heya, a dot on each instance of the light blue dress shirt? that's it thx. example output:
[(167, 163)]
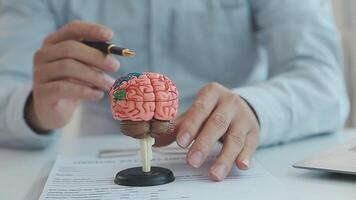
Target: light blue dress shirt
[(282, 56)]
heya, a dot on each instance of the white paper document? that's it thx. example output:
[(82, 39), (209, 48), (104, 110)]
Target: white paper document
[(92, 178)]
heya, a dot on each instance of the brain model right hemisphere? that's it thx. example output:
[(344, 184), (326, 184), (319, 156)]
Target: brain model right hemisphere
[(146, 104)]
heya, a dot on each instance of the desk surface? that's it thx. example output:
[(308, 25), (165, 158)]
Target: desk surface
[(23, 173)]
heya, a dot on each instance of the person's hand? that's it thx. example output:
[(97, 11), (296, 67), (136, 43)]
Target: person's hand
[(67, 72), (217, 113)]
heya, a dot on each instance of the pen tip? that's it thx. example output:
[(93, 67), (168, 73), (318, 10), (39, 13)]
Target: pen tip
[(128, 53)]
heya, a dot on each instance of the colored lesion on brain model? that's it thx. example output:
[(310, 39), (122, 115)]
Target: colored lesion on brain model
[(144, 96)]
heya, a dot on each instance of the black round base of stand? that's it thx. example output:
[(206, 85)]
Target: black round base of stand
[(136, 177)]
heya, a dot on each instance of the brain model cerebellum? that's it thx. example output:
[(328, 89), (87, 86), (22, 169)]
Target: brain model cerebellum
[(146, 103)]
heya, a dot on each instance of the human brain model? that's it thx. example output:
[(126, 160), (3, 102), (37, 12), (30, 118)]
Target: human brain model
[(145, 103)]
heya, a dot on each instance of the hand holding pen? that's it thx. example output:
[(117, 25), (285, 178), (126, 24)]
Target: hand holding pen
[(66, 71)]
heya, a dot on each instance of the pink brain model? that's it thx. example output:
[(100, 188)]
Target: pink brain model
[(143, 96)]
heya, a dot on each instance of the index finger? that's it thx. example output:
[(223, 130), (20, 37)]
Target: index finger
[(197, 114), (78, 30)]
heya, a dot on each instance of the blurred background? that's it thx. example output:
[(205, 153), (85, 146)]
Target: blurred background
[(345, 17)]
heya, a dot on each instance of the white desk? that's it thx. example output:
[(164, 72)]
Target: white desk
[(23, 173)]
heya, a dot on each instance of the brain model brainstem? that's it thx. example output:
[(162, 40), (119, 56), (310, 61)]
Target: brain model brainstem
[(146, 105)]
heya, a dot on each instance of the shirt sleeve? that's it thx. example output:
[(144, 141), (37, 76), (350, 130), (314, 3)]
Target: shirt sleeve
[(23, 24), (305, 93)]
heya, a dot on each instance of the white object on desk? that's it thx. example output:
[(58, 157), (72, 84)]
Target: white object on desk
[(340, 159), (92, 178), (112, 153)]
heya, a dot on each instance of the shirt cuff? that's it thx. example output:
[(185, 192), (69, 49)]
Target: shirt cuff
[(24, 136)]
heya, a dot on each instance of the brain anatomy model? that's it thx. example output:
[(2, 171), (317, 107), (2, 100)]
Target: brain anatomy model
[(146, 104), (144, 96)]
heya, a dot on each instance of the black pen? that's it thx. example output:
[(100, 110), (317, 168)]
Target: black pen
[(108, 48)]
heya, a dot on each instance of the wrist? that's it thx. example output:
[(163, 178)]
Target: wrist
[(31, 117)]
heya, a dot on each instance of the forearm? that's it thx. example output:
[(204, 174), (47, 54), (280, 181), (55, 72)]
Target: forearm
[(26, 23), (14, 131), (304, 92), (302, 102)]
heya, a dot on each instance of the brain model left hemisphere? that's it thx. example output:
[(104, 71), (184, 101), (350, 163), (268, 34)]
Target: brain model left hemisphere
[(146, 105)]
